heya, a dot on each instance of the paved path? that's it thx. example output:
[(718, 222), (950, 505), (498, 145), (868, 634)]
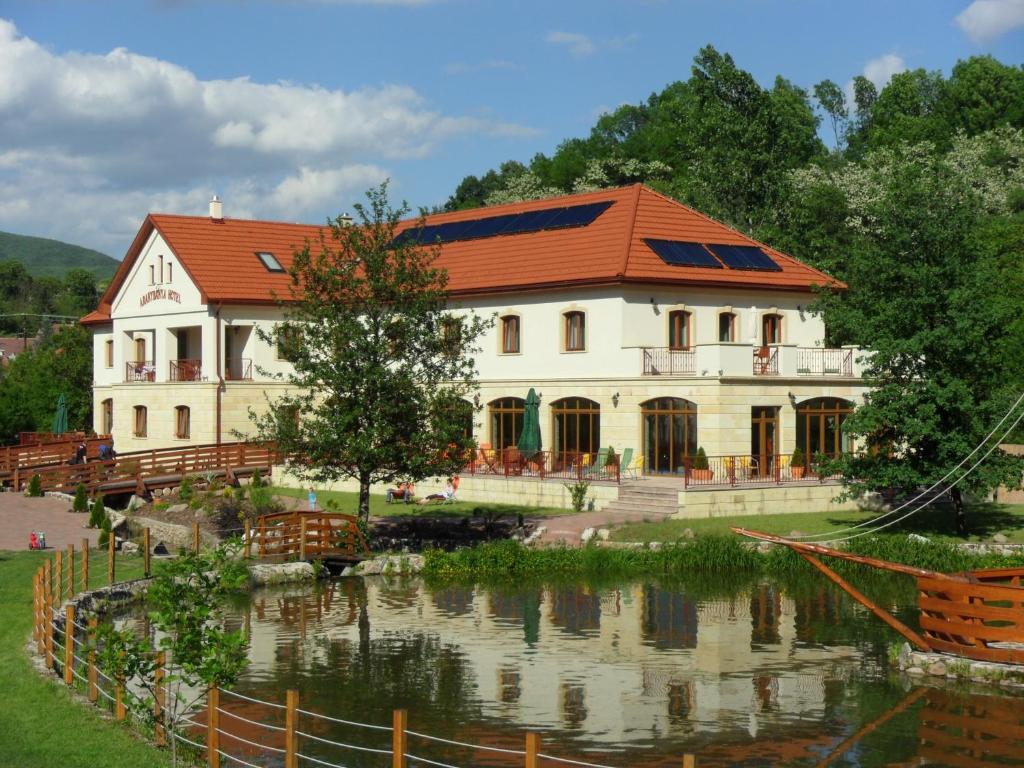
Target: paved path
[(19, 516), (568, 528)]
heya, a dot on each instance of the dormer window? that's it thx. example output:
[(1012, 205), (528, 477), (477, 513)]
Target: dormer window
[(269, 261)]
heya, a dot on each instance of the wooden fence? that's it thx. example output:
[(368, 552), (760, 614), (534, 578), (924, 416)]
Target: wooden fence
[(147, 470), (307, 536), (36, 454), (67, 643)]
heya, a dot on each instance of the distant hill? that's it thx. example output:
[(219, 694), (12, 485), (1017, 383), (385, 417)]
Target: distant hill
[(44, 257)]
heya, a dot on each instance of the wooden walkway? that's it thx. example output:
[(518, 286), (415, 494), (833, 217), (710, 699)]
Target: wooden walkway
[(329, 537), (142, 472)]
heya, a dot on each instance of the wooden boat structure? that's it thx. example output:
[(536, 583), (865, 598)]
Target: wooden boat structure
[(975, 615)]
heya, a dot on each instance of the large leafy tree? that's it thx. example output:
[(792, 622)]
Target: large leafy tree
[(381, 365), (927, 267)]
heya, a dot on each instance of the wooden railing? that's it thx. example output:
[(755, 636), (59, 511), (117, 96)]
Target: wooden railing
[(39, 454), (185, 370), (307, 536), (139, 370), (824, 362), (982, 621), (665, 361), (543, 465), (143, 470), (766, 361)]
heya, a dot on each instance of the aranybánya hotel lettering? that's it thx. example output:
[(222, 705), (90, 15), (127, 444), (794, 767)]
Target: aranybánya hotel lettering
[(159, 293)]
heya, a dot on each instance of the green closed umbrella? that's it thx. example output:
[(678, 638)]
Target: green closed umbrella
[(60, 418), (529, 438)]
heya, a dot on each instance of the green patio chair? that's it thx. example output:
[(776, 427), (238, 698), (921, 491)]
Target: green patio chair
[(624, 461), (596, 469)]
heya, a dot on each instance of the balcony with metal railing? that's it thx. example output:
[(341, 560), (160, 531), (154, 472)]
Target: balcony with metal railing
[(238, 369), (139, 370), (186, 370), (824, 362), (744, 360), (666, 361)]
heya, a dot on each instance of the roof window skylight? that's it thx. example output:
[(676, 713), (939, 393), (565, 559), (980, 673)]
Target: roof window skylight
[(270, 261)]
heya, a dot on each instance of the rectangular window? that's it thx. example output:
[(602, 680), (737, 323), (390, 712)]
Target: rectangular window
[(182, 421), (152, 275), (679, 330), (139, 428), (575, 332), (108, 353), (451, 336), (170, 271), (269, 261), (510, 334), (107, 417), (288, 340), (726, 326), (161, 261), (771, 330)]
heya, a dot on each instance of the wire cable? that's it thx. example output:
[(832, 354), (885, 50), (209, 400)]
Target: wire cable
[(572, 762), (465, 744), (343, 745)]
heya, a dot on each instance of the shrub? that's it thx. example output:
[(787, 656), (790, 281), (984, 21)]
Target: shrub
[(35, 487), (797, 459), (187, 488), (257, 480), (578, 494), (104, 531), (81, 502), (98, 513), (700, 461)]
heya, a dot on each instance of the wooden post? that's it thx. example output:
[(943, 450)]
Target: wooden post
[(399, 738), (291, 719), (93, 690), (159, 734), (247, 540), (195, 538), (212, 724), (48, 618), (85, 565), (532, 749), (689, 761), (111, 554), (145, 552), (302, 538), (36, 591), (71, 570), (119, 709), (69, 645), (58, 576), (47, 577)]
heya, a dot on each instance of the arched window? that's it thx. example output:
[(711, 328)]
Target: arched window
[(506, 421), (575, 331), (771, 330), (576, 426), (139, 427), (679, 329), (726, 327), (510, 334), (819, 426), (182, 422), (670, 434), (107, 416)]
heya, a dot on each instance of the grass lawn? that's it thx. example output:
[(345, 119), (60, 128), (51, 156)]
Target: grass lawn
[(42, 726), (348, 502), (984, 521)]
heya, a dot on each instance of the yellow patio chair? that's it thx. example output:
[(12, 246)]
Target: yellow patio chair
[(636, 467)]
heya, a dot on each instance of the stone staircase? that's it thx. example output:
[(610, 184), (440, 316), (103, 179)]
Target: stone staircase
[(653, 497)]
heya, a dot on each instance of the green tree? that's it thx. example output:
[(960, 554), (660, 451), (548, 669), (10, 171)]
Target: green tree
[(187, 599), (381, 366), (927, 299), (831, 99), (982, 94)]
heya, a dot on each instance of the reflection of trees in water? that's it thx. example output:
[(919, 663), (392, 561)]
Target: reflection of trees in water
[(517, 607)]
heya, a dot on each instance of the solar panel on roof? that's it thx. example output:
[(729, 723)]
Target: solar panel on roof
[(562, 217), (745, 257), (682, 254)]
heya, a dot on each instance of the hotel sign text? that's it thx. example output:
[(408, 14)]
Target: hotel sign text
[(159, 293)]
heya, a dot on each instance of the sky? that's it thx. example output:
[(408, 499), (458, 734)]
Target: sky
[(291, 109)]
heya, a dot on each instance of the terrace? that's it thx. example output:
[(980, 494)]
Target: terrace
[(736, 360)]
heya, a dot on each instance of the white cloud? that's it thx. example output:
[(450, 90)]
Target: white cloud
[(89, 143), (579, 45), (879, 71), (985, 20)]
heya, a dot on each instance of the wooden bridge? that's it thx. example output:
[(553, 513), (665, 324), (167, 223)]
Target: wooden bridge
[(141, 472), (330, 537)]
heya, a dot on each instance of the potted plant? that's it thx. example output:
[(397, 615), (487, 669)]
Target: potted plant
[(797, 464), (701, 472)]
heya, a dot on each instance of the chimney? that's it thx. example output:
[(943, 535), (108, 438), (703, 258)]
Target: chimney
[(345, 220), (216, 209)]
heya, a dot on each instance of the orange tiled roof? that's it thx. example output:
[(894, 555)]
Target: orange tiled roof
[(219, 255)]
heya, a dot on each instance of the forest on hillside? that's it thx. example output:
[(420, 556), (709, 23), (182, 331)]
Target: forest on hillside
[(918, 207)]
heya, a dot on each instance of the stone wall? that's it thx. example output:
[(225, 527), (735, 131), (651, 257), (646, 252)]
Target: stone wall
[(772, 500)]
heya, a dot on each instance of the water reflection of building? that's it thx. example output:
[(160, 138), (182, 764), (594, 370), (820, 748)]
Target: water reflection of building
[(618, 665)]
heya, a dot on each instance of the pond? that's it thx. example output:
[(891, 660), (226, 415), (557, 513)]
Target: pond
[(626, 674)]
